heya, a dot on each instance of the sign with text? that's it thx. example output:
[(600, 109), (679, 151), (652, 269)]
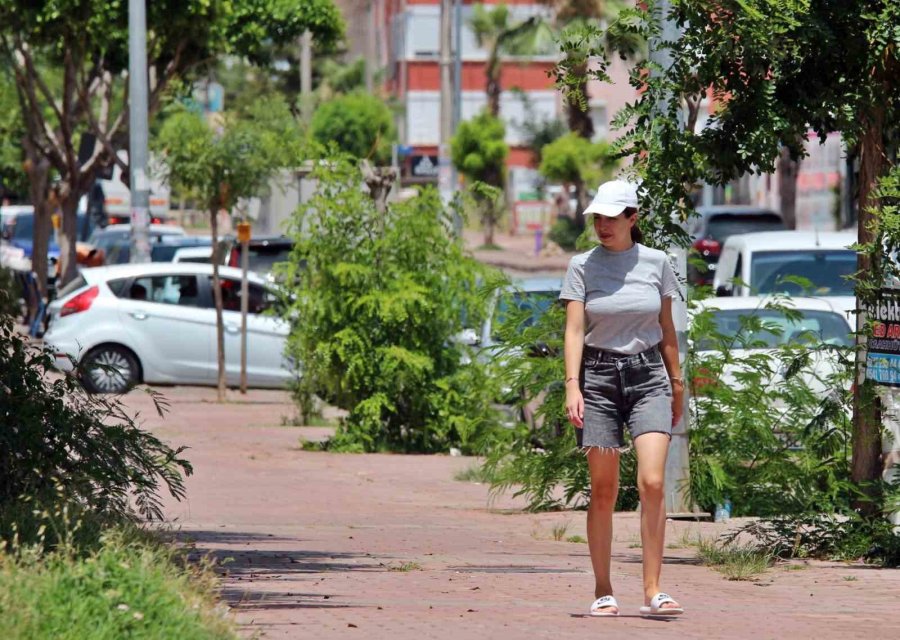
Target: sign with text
[(883, 358), (424, 166)]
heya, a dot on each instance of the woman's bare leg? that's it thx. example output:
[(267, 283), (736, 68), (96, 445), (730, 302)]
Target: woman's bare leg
[(603, 464), (652, 449)]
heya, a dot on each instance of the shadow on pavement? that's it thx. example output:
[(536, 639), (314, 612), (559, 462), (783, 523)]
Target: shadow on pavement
[(249, 573)]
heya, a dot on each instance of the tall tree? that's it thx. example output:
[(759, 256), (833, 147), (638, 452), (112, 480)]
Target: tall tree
[(570, 17), (776, 72), (572, 160), (225, 164), (479, 151), (87, 41), (496, 31)]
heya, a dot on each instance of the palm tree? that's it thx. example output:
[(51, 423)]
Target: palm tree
[(494, 32), (571, 13)]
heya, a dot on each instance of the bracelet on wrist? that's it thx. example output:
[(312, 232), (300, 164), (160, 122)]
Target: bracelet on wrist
[(678, 380), (568, 380)]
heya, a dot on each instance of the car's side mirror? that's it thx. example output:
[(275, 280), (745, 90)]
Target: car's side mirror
[(724, 291)]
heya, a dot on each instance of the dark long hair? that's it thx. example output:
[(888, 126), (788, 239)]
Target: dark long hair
[(636, 234)]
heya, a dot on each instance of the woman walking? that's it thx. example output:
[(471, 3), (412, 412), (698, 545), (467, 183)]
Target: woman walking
[(622, 368)]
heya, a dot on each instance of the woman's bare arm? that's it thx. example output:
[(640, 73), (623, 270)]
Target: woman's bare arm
[(574, 346)]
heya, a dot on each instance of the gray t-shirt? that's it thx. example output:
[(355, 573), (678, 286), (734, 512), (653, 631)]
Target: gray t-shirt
[(622, 293)]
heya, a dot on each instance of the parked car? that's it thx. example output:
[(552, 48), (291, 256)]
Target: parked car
[(9, 213), (200, 255), (712, 226), (264, 253), (820, 323), (156, 323), (763, 262), (180, 248), (115, 240), (18, 230)]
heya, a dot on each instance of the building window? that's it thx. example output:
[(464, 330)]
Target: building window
[(600, 118)]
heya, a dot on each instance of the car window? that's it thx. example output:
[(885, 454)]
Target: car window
[(180, 290), (259, 300), (262, 258), (827, 271), (814, 327), (196, 259), (720, 227), (23, 228)]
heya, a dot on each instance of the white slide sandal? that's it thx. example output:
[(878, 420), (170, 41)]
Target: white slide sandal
[(604, 602), (656, 606)]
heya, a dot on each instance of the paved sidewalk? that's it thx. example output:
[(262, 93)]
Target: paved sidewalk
[(377, 546), (516, 253)]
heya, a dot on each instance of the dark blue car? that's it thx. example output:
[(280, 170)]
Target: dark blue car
[(20, 233)]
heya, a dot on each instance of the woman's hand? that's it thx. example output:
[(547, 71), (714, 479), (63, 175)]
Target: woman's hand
[(677, 401), (574, 404)]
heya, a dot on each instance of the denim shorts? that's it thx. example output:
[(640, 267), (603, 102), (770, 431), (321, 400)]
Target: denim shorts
[(621, 389)]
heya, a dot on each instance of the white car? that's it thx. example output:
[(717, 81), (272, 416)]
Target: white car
[(821, 324), (762, 262), (200, 255), (156, 323)]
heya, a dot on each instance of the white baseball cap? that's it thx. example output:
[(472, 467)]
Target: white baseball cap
[(613, 198)]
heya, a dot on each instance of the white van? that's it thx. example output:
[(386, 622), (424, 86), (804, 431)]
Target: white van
[(760, 263)]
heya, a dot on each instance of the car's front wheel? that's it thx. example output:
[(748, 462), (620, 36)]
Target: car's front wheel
[(109, 368)]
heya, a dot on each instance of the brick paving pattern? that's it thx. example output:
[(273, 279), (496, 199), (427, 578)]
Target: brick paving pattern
[(319, 545)]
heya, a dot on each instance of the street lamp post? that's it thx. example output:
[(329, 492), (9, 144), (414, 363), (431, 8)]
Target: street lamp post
[(138, 131)]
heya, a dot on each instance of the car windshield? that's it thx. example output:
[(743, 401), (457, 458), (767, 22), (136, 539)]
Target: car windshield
[(262, 259), (720, 227), (826, 271), (777, 329), (23, 227)]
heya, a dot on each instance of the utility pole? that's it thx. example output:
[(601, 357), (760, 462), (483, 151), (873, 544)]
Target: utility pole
[(137, 131), (371, 55), (305, 75), (678, 465), (445, 171), (457, 100)]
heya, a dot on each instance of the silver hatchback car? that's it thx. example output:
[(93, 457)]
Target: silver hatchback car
[(156, 323)]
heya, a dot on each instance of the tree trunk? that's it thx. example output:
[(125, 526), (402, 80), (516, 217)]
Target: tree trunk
[(493, 87), (581, 199), (579, 119), (788, 170), (866, 440), (487, 221), (217, 299), (68, 238), (37, 168)]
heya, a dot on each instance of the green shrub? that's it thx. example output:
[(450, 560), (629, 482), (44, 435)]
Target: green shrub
[(128, 588), (61, 446), (542, 456), (359, 124), (565, 233), (373, 314), (10, 292), (760, 434), (843, 536)]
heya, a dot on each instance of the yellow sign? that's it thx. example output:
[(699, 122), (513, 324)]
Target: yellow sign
[(57, 221), (243, 232)]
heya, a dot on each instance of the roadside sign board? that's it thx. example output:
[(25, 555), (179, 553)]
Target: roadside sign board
[(530, 216), (883, 357)]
